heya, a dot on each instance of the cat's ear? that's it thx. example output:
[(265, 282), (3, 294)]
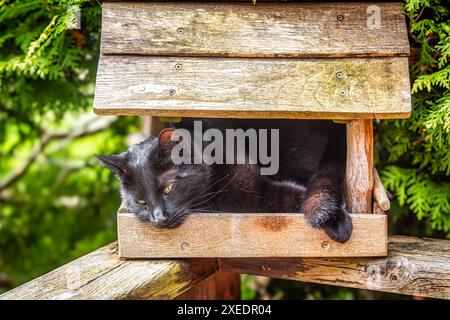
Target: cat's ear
[(115, 162), (165, 142), (165, 136)]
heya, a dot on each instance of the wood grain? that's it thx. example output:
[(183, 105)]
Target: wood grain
[(247, 30), (253, 88), (103, 275), (419, 267), (359, 168), (377, 209), (248, 235), (379, 193), (219, 286)]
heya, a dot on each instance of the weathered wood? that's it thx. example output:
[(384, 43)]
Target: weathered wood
[(359, 168), (248, 235), (103, 275), (253, 88), (419, 267), (377, 209), (379, 193), (219, 286), (152, 126), (247, 30)]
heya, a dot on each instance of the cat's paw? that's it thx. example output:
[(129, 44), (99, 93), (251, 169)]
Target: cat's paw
[(323, 212), (319, 210), (340, 228)]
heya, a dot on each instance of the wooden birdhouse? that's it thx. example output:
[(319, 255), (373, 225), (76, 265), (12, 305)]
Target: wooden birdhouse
[(338, 61)]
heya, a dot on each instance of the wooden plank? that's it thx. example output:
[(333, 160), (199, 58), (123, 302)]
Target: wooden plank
[(247, 30), (419, 267), (219, 286), (248, 235), (379, 193), (253, 88), (359, 167), (103, 275)]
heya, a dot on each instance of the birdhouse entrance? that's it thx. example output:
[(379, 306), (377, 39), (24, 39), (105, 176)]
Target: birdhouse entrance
[(236, 60)]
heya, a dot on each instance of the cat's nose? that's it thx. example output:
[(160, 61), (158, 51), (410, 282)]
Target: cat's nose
[(160, 219)]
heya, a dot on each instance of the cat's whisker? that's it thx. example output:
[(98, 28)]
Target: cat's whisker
[(214, 194), (203, 202), (202, 194), (205, 195), (207, 188)]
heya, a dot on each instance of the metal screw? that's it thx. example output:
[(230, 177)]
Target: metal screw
[(340, 17), (339, 75), (172, 92), (178, 66), (343, 93), (184, 246), (180, 30), (326, 245)]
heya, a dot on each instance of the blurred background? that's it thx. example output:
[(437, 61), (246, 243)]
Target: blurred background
[(57, 203)]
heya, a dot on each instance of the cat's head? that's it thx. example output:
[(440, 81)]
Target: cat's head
[(153, 187)]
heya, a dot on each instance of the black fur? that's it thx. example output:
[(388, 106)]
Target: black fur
[(312, 154)]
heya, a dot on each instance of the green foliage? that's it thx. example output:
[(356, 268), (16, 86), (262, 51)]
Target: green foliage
[(415, 153), (63, 204)]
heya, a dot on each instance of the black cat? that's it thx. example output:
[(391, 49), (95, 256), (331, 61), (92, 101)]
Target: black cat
[(312, 154)]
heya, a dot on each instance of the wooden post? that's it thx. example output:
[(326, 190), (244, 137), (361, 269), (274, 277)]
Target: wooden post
[(219, 286), (152, 126), (359, 168)]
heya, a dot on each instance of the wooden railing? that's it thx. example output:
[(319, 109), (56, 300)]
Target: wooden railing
[(419, 267)]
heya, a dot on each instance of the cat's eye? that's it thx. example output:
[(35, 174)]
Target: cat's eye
[(141, 202), (168, 189)]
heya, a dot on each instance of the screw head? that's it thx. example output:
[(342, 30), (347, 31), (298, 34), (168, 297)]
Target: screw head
[(343, 93), (184, 246), (340, 17), (180, 30), (172, 92), (339, 75), (178, 66)]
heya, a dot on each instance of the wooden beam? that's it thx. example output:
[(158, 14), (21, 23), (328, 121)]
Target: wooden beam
[(248, 235), (294, 30), (419, 267), (219, 286), (103, 275), (253, 88), (359, 168)]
